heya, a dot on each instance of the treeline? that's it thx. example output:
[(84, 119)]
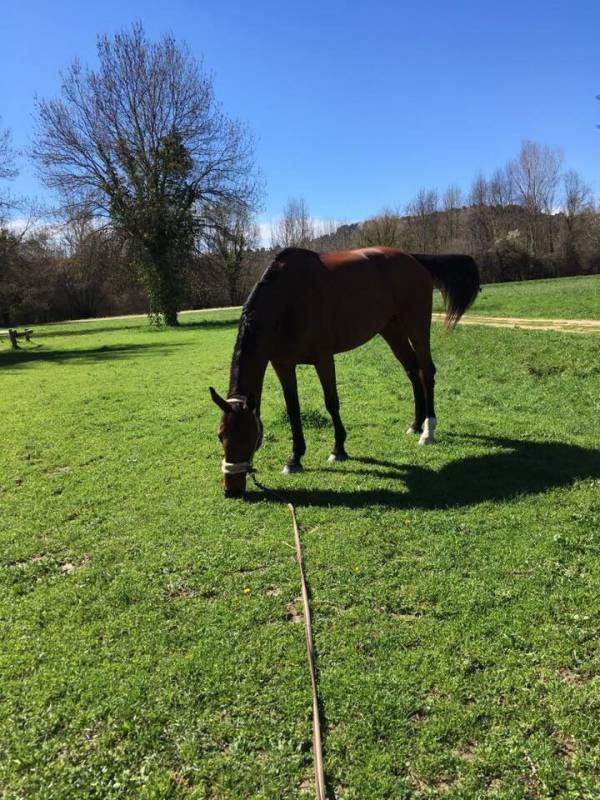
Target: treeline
[(529, 219), (77, 271)]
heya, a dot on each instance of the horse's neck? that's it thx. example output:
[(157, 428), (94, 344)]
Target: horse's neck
[(247, 375), (251, 352)]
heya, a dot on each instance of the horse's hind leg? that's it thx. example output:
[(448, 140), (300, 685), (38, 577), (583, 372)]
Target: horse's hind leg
[(400, 346), (326, 371), (287, 377)]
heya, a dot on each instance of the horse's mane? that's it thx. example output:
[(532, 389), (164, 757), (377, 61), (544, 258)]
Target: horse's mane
[(249, 326)]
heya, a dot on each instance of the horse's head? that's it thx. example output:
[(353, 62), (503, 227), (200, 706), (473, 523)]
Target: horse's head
[(240, 432)]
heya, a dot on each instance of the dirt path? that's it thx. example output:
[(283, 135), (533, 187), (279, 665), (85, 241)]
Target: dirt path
[(530, 323)]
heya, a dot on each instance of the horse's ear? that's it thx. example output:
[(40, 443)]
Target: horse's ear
[(218, 400), (250, 403)]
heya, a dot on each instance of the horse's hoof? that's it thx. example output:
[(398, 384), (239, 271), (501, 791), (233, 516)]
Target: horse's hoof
[(411, 430), (428, 429), (338, 457), (291, 469)]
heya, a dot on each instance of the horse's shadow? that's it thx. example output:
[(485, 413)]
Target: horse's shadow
[(520, 468)]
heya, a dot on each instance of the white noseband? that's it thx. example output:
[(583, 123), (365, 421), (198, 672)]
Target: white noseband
[(239, 467), (235, 468)]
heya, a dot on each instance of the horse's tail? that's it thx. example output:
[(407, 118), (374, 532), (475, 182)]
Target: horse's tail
[(457, 278)]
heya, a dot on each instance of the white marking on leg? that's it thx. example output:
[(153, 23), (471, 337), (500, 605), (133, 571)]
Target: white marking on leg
[(337, 457), (428, 429)]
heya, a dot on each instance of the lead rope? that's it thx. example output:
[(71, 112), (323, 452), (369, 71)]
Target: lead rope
[(310, 650)]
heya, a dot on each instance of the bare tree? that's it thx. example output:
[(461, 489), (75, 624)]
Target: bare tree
[(8, 169), (233, 235), (501, 189), (535, 174), (383, 229), (577, 195), (493, 228), (481, 219), (480, 191), (451, 202), (423, 212), (89, 254), (142, 140), (9, 240), (578, 207), (295, 228)]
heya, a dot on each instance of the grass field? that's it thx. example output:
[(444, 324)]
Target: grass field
[(562, 298), (150, 638)]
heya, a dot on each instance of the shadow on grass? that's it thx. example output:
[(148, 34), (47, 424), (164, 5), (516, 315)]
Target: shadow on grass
[(138, 325), (22, 358), (207, 324), (522, 468), (85, 331)]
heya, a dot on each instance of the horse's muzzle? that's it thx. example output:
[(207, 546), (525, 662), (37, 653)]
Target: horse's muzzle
[(235, 485)]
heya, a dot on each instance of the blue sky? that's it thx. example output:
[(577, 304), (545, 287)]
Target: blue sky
[(354, 106)]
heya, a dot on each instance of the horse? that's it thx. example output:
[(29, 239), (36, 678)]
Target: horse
[(309, 306)]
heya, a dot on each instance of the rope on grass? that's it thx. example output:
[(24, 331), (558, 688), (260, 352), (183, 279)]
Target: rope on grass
[(310, 650)]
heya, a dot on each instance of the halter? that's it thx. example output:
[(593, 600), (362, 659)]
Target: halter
[(239, 467)]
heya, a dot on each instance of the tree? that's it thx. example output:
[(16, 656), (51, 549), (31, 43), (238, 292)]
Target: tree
[(142, 141), (85, 267), (534, 175), (295, 228), (577, 195), (481, 221), (233, 235), (26, 285), (500, 189), (578, 207), (423, 211), (385, 229), (7, 155), (9, 241), (8, 169), (452, 202)]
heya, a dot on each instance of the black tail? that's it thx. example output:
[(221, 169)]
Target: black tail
[(457, 278)]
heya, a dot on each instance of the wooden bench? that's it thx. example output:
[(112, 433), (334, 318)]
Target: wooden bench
[(14, 335)]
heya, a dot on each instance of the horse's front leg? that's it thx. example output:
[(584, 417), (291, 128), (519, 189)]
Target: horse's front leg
[(287, 377), (326, 371)]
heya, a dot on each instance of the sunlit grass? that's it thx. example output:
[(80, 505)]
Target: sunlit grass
[(562, 298), (148, 645)]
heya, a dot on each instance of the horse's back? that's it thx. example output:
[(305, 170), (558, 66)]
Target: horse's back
[(369, 266), (340, 300), (385, 276)]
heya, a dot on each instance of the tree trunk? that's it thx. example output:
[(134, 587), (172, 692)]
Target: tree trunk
[(163, 287), (169, 314)]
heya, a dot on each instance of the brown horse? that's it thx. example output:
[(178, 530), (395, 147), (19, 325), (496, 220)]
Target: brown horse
[(306, 308)]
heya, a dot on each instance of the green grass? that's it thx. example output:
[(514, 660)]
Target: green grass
[(148, 642), (557, 298)]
